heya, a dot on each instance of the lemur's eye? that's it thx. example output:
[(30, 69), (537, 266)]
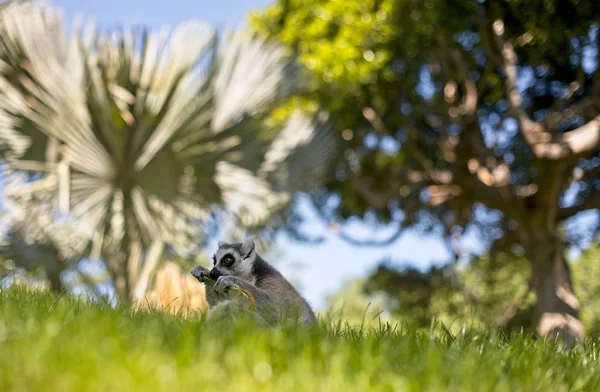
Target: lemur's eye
[(227, 260)]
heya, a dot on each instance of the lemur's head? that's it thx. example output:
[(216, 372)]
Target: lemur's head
[(234, 259)]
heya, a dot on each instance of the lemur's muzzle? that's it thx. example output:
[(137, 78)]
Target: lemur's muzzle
[(214, 274)]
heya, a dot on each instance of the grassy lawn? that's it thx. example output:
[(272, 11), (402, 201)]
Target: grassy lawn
[(49, 343)]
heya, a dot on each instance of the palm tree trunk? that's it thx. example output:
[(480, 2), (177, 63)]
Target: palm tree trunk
[(150, 265), (53, 274), (118, 274), (121, 257)]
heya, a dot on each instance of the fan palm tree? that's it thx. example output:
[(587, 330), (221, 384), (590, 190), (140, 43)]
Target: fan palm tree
[(142, 137)]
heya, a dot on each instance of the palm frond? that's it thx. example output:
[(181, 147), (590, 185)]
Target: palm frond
[(252, 72), (154, 132), (29, 35), (299, 158), (34, 238)]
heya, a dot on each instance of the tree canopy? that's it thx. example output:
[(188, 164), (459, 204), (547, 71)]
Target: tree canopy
[(459, 115)]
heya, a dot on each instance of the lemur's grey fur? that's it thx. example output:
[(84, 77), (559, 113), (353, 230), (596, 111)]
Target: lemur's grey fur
[(276, 299)]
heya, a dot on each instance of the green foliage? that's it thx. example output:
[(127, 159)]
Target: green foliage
[(353, 306), (487, 293), (586, 271), (395, 57), (62, 344), (351, 46), (344, 43)]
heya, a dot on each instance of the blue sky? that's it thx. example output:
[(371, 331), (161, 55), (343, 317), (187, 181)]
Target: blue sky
[(324, 267), (155, 14)]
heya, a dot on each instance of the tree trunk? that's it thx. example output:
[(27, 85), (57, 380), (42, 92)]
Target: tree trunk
[(118, 272), (122, 289), (53, 275), (557, 307)]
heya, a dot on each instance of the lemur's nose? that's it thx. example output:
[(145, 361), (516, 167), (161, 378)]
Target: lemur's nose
[(214, 274)]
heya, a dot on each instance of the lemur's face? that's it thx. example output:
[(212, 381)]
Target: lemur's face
[(234, 259)]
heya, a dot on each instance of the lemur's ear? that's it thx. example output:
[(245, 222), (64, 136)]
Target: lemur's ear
[(221, 244), (248, 247)]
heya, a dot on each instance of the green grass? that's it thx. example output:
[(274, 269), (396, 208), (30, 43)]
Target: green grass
[(49, 343)]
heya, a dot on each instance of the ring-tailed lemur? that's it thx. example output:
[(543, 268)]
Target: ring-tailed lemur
[(238, 266)]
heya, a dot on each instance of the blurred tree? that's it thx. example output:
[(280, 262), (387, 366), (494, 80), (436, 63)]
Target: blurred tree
[(141, 139), (459, 114), (490, 292)]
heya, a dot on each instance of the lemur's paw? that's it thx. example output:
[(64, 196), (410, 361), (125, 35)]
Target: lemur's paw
[(224, 284), (200, 273)]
